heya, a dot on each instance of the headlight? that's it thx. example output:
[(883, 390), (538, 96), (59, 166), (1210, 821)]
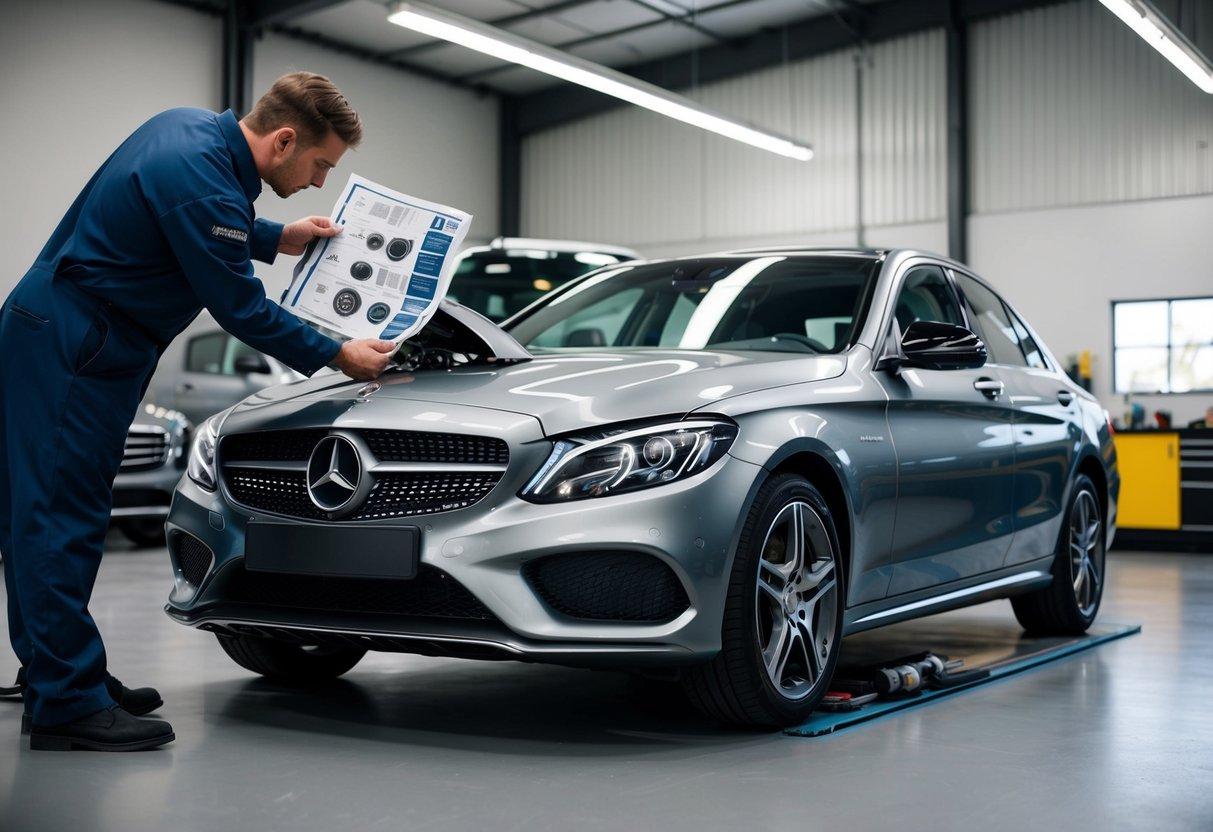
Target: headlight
[(201, 468), (615, 462)]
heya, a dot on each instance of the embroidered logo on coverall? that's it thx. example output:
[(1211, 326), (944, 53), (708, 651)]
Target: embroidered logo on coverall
[(225, 233)]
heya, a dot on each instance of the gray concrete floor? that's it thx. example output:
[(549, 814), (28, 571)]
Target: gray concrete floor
[(1120, 737)]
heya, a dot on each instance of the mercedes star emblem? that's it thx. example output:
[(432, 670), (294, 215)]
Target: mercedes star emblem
[(334, 474)]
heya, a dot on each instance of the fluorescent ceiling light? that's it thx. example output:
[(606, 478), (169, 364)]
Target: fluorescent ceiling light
[(481, 37), (1159, 32)]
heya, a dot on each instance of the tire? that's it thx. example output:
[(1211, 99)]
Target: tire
[(290, 663), (144, 532), (1066, 606), (736, 687)]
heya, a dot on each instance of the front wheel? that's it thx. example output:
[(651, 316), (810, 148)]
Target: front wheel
[(783, 613), (290, 663), (1069, 604)]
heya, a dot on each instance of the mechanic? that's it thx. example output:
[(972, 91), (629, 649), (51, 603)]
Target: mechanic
[(164, 228)]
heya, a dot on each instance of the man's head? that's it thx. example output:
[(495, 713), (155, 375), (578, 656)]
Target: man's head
[(299, 130)]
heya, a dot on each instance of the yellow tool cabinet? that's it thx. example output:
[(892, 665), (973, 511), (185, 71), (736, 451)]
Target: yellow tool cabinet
[(1149, 480)]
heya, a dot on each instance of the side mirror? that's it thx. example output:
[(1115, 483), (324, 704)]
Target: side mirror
[(933, 345), (247, 365)]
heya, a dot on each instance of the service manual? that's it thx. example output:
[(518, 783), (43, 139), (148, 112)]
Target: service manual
[(386, 273)]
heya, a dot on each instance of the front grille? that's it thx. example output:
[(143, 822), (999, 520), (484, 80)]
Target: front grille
[(147, 448), (608, 586), (268, 472), (416, 446), (432, 594), (193, 557)]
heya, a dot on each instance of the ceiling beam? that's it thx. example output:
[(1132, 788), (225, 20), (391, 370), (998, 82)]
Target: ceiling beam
[(689, 20), (270, 12), (598, 37), (807, 38)]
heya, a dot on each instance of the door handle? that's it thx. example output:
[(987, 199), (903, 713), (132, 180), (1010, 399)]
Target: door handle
[(988, 387), (1065, 397), (184, 387)]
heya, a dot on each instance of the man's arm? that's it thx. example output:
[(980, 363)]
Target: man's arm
[(264, 242), (210, 237)]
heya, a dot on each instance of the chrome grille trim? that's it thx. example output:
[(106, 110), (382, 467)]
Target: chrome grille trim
[(147, 447)]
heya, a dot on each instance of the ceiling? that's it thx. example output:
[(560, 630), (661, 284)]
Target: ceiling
[(612, 32)]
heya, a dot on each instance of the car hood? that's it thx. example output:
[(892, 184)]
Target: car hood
[(570, 391)]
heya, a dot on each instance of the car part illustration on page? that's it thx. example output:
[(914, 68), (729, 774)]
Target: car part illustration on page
[(386, 273)]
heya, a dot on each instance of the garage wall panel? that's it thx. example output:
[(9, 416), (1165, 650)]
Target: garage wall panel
[(905, 130), (633, 177), (75, 80), (1070, 107)]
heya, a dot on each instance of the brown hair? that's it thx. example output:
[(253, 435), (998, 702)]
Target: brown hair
[(311, 104)]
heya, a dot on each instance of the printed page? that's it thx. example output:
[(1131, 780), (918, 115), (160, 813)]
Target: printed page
[(386, 273)]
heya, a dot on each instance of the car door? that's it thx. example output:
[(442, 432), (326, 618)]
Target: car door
[(210, 381), (1046, 427), (952, 431)]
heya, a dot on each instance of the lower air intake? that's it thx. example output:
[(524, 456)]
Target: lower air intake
[(432, 594), (608, 586), (193, 557)]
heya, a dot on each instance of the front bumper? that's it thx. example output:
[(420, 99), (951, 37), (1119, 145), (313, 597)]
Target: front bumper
[(691, 526)]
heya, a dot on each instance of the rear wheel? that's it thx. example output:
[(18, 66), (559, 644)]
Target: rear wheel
[(783, 614), (290, 663), (1069, 604)]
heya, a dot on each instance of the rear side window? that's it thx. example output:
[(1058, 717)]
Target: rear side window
[(1032, 352), (205, 353), (989, 317)]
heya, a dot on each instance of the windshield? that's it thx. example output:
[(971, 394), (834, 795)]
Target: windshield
[(786, 304), (498, 283)]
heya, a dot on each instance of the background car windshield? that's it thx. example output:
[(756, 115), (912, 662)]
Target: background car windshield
[(784, 304), (499, 283)]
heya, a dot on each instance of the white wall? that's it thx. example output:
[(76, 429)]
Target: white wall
[(633, 177), (425, 138), (1063, 267), (75, 80)]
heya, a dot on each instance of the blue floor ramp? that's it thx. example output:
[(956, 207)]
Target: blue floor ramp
[(1016, 654)]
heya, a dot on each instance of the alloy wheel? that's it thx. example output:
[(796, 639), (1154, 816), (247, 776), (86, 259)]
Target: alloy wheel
[(1086, 552), (796, 600)]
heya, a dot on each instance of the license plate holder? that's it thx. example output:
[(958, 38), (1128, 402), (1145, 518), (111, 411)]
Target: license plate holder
[(391, 552)]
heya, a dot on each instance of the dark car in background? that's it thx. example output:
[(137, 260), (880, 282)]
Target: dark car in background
[(510, 273)]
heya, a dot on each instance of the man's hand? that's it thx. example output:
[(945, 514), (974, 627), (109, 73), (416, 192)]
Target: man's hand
[(364, 359), (297, 235)]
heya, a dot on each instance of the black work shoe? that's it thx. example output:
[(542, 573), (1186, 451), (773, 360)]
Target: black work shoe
[(137, 702), (112, 729)]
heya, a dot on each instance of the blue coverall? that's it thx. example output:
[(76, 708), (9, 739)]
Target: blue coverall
[(164, 228)]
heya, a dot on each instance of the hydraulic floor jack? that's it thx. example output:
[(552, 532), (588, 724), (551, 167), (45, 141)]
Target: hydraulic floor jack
[(854, 687)]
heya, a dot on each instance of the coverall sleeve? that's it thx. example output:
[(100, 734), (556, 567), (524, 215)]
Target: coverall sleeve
[(264, 242), (210, 237)]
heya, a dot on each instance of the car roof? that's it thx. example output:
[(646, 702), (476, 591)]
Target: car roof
[(563, 246)]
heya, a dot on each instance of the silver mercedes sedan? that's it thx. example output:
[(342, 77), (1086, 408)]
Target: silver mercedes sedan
[(716, 466)]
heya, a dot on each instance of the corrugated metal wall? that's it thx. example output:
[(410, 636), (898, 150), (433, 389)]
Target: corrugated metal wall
[(635, 177), (1069, 107)]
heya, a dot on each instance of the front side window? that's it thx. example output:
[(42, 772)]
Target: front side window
[(991, 322), (926, 296), (783, 304), (1163, 346), (205, 353)]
